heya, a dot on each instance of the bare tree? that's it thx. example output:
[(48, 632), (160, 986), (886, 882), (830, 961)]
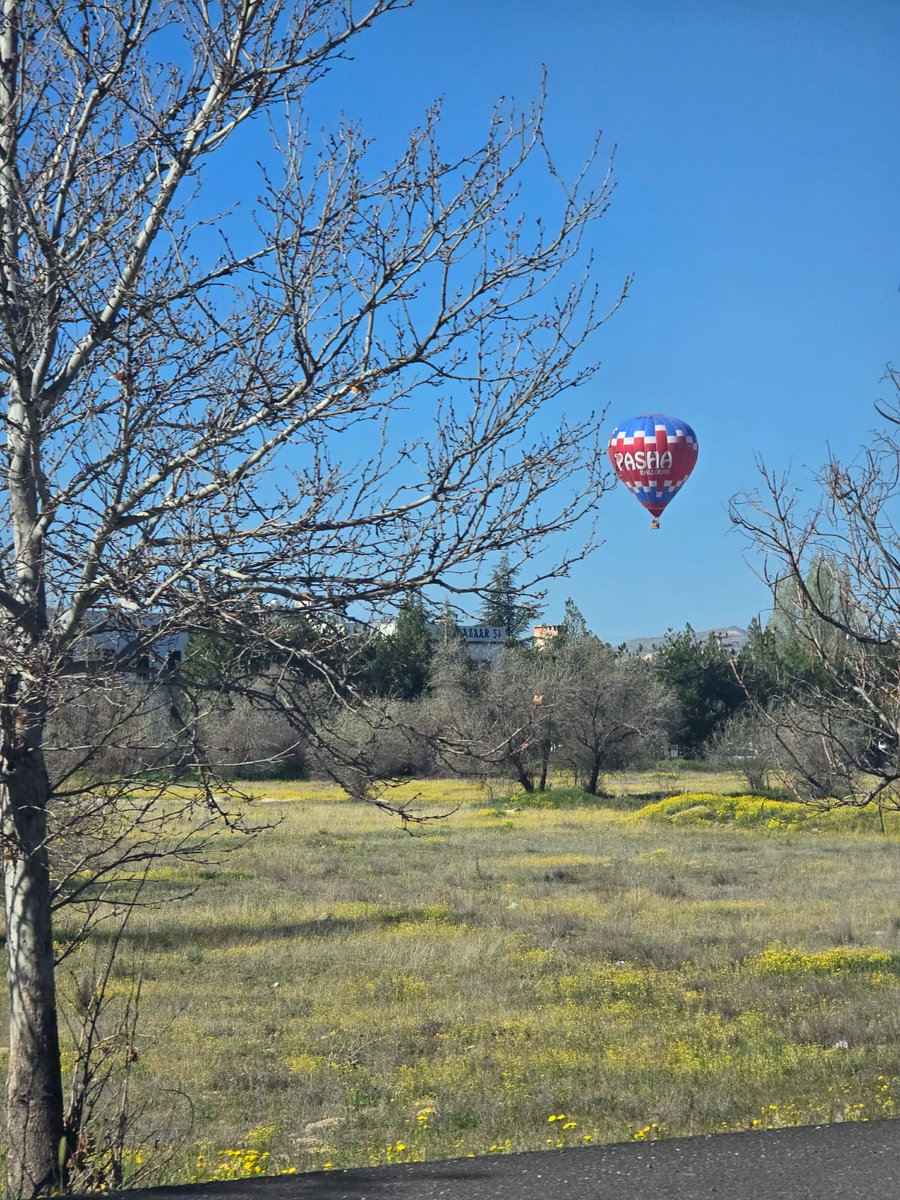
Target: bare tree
[(577, 704), (745, 744), (243, 737), (366, 749), (814, 750), (503, 726), (819, 748), (613, 710), (487, 720), (838, 731), (208, 408), (501, 720)]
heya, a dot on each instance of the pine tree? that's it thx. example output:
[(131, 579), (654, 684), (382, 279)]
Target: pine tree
[(574, 626), (503, 602), (447, 629), (701, 676), (400, 664)]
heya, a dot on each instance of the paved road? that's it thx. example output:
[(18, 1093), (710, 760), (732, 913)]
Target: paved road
[(854, 1161)]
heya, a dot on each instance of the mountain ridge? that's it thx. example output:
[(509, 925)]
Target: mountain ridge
[(731, 637)]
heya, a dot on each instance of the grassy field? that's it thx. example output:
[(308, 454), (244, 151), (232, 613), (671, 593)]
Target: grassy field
[(518, 976)]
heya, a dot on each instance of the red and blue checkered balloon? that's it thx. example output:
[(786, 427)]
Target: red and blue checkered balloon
[(653, 455)]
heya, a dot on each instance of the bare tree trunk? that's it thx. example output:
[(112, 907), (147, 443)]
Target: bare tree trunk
[(34, 1088), (524, 776), (545, 765), (593, 778)]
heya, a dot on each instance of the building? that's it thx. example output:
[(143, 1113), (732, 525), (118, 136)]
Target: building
[(544, 635), (130, 642)]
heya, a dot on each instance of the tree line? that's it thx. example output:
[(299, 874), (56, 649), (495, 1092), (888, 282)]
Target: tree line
[(423, 706)]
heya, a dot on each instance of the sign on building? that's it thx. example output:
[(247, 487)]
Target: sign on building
[(479, 634)]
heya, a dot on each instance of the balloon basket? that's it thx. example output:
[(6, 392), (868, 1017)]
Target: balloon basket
[(654, 524)]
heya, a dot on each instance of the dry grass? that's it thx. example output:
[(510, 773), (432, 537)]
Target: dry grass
[(342, 993)]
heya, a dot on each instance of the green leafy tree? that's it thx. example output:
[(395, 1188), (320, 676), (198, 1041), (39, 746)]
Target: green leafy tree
[(399, 662), (758, 664), (702, 678), (798, 628), (780, 658)]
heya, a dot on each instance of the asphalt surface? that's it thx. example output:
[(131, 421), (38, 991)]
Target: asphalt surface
[(853, 1161)]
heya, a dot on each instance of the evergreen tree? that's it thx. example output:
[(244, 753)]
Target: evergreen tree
[(758, 663), (398, 664), (574, 626), (221, 659), (447, 630), (704, 682), (503, 603)]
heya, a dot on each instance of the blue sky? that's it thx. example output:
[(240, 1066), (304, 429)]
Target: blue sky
[(758, 168)]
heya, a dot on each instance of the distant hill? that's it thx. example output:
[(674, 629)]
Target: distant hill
[(732, 638)]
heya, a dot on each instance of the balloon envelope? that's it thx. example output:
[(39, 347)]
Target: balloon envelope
[(653, 455)]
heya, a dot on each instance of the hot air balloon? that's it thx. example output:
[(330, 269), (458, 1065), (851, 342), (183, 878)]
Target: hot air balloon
[(653, 455)]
